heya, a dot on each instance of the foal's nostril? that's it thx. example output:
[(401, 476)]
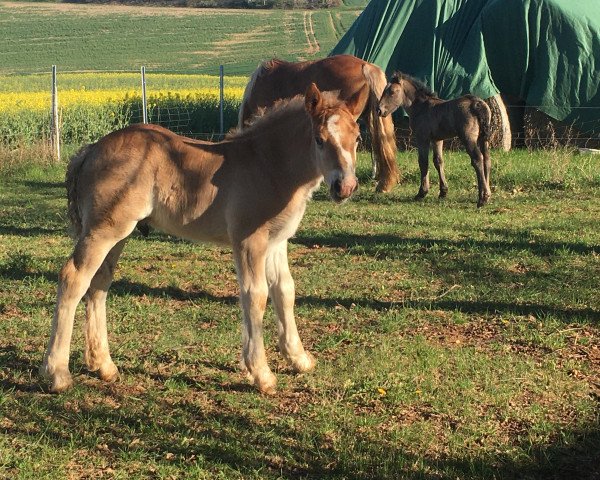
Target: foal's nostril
[(337, 187), (378, 110)]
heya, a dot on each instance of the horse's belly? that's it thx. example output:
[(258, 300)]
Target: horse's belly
[(203, 229), (444, 131)]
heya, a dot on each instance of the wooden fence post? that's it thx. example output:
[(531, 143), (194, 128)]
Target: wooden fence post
[(144, 100), (221, 127), (54, 125)]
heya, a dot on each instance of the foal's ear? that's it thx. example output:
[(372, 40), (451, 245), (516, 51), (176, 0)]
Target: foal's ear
[(313, 99)]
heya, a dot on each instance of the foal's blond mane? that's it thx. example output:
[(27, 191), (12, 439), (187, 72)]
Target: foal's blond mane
[(283, 108)]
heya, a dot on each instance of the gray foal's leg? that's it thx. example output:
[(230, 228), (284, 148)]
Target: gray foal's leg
[(438, 161), (423, 148), (477, 161)]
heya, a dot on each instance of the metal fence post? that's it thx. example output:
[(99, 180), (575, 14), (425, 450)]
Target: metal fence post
[(54, 127), (144, 102), (221, 100)]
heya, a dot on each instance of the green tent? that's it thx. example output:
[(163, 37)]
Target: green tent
[(545, 52)]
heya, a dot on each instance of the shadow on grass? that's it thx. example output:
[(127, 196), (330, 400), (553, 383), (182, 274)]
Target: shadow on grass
[(46, 188), (31, 231), (464, 306), (126, 287), (376, 244), (228, 426), (19, 366)]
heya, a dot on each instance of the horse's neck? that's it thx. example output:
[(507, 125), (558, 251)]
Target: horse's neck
[(421, 103), (410, 96), (286, 150)]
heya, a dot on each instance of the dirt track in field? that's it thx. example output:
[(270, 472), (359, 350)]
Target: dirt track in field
[(309, 31)]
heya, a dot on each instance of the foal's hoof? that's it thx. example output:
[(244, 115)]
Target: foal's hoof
[(482, 202), (109, 372), (420, 196), (443, 193), (267, 385), (303, 363), (59, 381)]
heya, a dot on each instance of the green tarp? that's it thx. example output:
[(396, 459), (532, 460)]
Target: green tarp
[(545, 52)]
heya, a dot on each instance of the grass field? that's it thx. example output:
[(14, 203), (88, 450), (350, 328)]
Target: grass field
[(451, 342), (116, 40), (120, 38)]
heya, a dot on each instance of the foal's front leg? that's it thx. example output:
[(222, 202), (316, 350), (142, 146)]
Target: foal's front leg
[(423, 148), (250, 258), (282, 291)]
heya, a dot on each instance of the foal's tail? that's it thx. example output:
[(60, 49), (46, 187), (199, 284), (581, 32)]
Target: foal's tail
[(71, 178), (484, 116), (382, 131)]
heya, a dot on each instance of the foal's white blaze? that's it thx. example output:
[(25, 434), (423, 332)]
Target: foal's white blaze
[(334, 131)]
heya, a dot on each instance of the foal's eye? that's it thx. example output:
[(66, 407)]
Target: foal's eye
[(319, 141)]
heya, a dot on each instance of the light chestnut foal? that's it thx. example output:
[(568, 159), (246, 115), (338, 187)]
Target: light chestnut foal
[(249, 191)]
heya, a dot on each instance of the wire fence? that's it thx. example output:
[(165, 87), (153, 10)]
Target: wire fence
[(529, 127), (91, 104)]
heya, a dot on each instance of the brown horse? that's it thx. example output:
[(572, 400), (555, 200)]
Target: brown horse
[(249, 191), (348, 75), (433, 120)]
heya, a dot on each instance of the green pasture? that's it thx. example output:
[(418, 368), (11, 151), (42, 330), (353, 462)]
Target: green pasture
[(112, 38), (452, 342)]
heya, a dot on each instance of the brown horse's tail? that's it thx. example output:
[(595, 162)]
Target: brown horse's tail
[(245, 110), (71, 178), (382, 131)]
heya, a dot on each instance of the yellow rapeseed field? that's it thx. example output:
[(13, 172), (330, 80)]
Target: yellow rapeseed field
[(14, 101), (92, 104)]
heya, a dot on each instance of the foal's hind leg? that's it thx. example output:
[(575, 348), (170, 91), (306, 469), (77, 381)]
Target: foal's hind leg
[(438, 161), (477, 161), (281, 289), (97, 354), (74, 280), (487, 161), (423, 148)]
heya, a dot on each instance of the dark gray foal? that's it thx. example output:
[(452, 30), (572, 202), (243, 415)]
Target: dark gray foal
[(433, 120)]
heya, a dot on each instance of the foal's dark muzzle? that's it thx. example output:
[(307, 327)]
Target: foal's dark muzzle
[(380, 112)]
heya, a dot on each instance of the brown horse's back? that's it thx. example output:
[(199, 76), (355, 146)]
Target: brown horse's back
[(278, 79)]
